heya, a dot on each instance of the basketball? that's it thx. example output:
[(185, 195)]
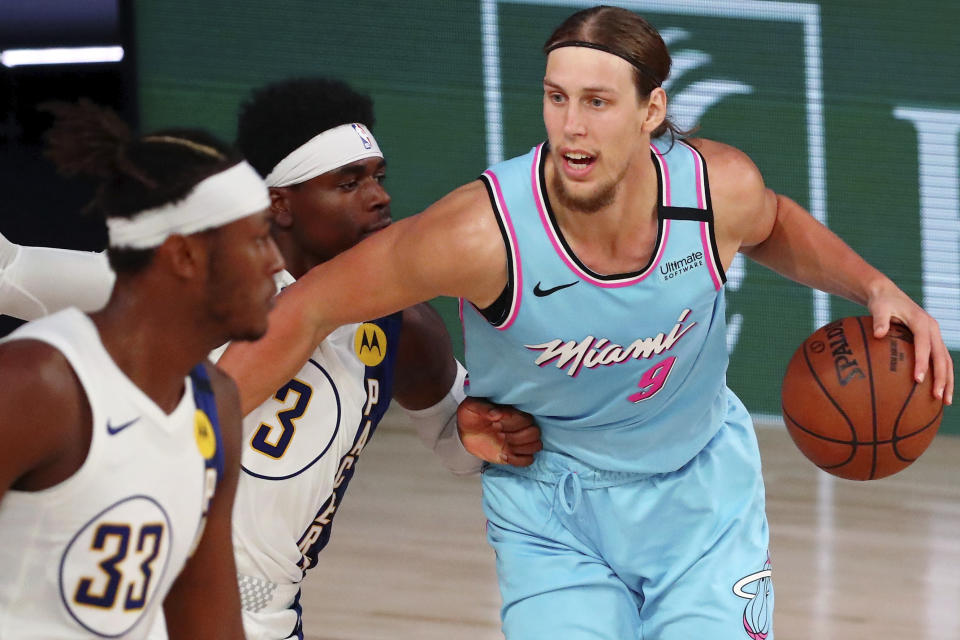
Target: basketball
[(851, 404)]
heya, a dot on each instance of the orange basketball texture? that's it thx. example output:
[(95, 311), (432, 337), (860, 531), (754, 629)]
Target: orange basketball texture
[(851, 404)]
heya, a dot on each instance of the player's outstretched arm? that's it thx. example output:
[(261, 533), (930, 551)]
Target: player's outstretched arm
[(453, 248), (204, 602), (37, 281), (780, 234)]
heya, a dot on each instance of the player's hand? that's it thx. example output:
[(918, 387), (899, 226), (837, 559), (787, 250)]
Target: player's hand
[(498, 433), (892, 303)]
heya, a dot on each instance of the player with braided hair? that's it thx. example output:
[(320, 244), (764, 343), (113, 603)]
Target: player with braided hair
[(311, 138), (120, 461)]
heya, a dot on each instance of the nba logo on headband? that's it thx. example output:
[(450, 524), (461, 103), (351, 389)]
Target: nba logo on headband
[(363, 135)]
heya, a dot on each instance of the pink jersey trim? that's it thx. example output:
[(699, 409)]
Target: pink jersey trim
[(514, 251), (704, 226), (698, 172), (538, 198)]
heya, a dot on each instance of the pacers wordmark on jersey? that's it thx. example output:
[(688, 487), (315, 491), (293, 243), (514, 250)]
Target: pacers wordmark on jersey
[(301, 451)]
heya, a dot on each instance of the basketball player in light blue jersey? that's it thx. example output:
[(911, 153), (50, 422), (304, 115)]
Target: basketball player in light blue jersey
[(623, 527), (592, 274)]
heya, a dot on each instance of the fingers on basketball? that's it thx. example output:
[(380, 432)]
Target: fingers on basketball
[(851, 402)]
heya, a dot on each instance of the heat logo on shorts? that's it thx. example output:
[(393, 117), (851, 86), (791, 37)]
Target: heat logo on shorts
[(758, 612), (364, 136)]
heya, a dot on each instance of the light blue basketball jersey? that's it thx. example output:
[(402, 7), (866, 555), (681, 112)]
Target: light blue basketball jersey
[(623, 372)]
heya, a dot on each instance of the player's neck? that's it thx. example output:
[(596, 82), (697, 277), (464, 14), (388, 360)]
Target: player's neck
[(154, 342), (296, 261), (618, 237)]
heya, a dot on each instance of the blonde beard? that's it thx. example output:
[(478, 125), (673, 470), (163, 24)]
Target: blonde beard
[(601, 197)]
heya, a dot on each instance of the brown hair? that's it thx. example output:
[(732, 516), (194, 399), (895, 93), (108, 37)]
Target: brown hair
[(625, 34), (134, 173)]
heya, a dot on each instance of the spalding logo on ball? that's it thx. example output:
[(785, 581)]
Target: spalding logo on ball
[(851, 404)]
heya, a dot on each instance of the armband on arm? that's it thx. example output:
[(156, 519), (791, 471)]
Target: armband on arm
[(37, 281), (437, 428)]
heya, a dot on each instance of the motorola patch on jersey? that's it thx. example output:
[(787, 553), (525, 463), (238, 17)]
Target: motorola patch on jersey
[(370, 344), (203, 432)]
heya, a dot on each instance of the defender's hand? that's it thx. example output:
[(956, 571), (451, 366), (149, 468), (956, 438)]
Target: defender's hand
[(498, 433)]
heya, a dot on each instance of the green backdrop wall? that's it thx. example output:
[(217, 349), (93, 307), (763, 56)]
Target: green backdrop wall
[(851, 107)]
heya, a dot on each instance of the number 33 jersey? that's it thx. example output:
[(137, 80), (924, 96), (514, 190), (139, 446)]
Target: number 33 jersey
[(300, 451), (95, 555)]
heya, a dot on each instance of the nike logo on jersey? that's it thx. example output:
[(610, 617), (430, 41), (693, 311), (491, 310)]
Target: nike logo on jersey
[(537, 291), (115, 430)]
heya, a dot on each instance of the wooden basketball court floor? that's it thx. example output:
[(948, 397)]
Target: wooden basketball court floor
[(873, 560)]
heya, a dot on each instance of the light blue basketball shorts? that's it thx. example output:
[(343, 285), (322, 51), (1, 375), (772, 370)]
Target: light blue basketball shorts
[(584, 554)]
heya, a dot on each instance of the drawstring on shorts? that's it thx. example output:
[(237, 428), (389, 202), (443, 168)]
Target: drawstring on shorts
[(567, 502)]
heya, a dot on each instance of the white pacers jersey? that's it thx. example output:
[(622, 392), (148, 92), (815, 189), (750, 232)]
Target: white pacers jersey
[(300, 450), (95, 555)]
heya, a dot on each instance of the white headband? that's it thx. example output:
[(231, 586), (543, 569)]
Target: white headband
[(324, 152), (220, 199)]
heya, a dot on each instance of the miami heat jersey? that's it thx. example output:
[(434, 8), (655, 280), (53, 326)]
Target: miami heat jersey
[(300, 451), (624, 372), (95, 555)]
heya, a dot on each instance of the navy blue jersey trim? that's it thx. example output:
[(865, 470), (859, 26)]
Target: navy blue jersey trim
[(383, 373), (204, 400), (298, 609)]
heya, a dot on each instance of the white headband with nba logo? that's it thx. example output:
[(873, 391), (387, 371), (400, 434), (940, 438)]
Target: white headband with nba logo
[(324, 152)]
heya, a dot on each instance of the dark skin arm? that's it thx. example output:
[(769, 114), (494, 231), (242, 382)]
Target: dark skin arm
[(425, 371), (45, 420), (425, 367), (204, 602)]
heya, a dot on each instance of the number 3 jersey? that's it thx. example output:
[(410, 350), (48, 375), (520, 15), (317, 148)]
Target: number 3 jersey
[(95, 555), (300, 451), (624, 372)]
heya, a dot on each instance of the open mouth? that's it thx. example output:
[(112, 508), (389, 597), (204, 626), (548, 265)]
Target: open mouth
[(578, 162)]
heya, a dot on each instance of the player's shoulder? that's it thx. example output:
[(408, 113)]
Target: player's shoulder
[(733, 175), (464, 200), (39, 386), (33, 368), (465, 219)]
